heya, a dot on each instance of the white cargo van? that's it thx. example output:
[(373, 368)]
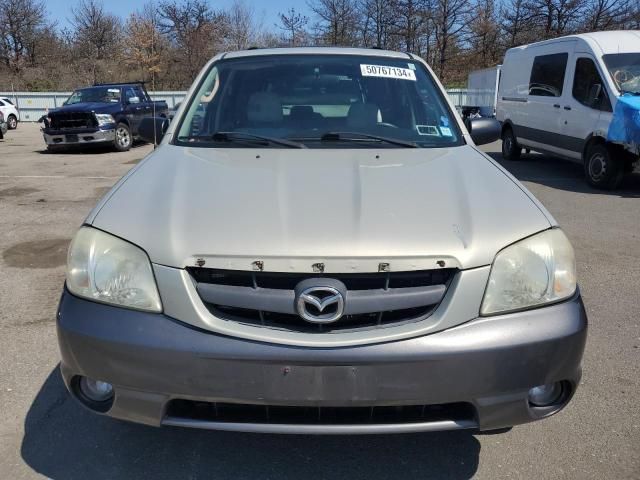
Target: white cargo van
[(577, 97)]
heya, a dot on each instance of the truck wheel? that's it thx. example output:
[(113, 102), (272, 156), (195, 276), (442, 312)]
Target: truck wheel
[(601, 168), (12, 122), (510, 148), (122, 142)]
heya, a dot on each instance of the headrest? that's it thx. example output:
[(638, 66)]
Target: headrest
[(264, 107), (301, 111), (362, 115)]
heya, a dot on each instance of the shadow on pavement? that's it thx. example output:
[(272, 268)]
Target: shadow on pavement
[(64, 441), (85, 149), (562, 174)]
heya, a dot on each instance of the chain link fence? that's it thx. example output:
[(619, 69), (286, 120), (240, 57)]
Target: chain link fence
[(33, 105)]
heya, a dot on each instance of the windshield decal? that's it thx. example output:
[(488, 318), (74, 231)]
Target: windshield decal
[(431, 130), (387, 72), (446, 131)]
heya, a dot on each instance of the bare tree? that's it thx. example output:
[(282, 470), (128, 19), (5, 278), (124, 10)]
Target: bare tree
[(196, 32), (516, 22), (555, 17), (607, 14), (96, 36), (484, 34), (411, 16), (379, 21), (293, 23), (145, 46), (337, 21), (449, 22), (243, 28), (21, 21)]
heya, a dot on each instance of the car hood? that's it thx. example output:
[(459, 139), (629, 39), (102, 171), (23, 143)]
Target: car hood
[(349, 209), (88, 107)]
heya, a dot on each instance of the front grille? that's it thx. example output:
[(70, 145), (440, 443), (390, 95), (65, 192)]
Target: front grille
[(243, 286), (300, 415), (72, 120)]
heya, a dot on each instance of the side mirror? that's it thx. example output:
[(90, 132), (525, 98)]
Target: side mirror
[(594, 94), (484, 130), (133, 100), (152, 129)]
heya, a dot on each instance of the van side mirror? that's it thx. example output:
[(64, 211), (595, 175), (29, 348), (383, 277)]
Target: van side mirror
[(484, 130), (152, 129), (594, 94)]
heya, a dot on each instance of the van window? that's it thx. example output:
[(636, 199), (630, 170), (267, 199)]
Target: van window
[(547, 75), (588, 88), (624, 68)]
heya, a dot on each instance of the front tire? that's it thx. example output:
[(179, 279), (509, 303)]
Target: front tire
[(601, 168), (123, 140), (12, 122), (510, 148)]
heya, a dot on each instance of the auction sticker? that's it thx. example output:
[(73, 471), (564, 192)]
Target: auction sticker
[(387, 72)]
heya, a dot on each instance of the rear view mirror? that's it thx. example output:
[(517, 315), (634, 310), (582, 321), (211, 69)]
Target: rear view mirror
[(484, 130), (152, 129)]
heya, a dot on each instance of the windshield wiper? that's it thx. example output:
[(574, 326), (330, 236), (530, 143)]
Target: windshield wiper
[(231, 136), (349, 137)]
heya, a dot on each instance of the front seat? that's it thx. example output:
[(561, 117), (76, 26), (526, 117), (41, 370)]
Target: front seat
[(363, 115), (264, 109)]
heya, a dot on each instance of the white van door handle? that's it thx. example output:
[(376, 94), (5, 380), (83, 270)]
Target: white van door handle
[(567, 107), (556, 105)]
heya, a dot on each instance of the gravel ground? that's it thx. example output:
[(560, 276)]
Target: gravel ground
[(44, 433)]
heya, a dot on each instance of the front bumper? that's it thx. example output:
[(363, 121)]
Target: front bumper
[(488, 363), (78, 137)]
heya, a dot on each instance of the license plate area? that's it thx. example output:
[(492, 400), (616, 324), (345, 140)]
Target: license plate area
[(71, 138), (321, 383)]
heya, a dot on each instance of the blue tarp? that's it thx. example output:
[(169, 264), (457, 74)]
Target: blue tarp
[(625, 124)]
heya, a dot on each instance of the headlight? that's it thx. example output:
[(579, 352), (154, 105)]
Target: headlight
[(104, 119), (106, 269), (534, 271)]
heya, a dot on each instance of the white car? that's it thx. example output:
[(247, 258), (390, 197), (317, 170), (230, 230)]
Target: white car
[(577, 97), (10, 111)]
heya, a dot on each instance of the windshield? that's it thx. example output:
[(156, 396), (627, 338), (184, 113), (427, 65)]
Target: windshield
[(96, 94), (319, 101), (624, 68)]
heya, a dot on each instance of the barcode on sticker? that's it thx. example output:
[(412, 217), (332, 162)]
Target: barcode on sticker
[(387, 72)]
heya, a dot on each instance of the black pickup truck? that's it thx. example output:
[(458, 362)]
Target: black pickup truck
[(107, 113)]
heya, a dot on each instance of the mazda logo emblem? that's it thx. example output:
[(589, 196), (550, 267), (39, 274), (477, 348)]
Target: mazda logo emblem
[(320, 304)]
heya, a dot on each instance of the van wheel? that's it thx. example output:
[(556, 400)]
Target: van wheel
[(510, 148), (601, 168), (122, 142)]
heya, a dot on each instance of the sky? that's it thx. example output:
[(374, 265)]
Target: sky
[(267, 10)]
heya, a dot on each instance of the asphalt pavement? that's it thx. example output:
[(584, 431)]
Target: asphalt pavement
[(44, 433)]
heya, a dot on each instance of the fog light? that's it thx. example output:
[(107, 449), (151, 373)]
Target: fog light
[(96, 390), (545, 395)]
